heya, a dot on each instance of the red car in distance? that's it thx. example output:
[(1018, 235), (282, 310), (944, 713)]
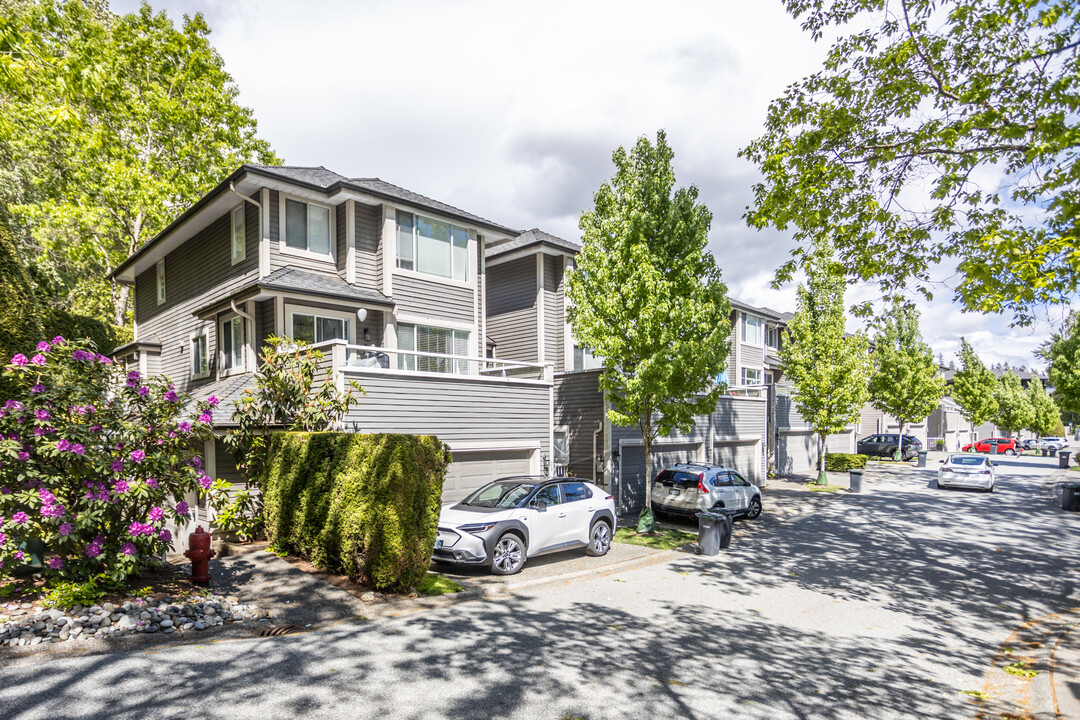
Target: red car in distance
[(994, 446)]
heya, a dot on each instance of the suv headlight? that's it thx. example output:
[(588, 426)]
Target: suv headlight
[(477, 527)]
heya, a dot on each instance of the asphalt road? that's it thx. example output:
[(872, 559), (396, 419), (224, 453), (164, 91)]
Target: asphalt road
[(891, 604)]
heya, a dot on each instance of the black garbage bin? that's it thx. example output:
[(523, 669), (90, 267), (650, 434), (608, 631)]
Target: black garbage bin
[(1063, 459), (1070, 496), (856, 480), (1053, 451), (714, 531), (1044, 452)]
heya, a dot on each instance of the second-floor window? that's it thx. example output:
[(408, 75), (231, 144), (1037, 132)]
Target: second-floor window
[(584, 359), (200, 358), (432, 247), (239, 237), (752, 329), (307, 227), (772, 338), (160, 281), (231, 342), (750, 376)]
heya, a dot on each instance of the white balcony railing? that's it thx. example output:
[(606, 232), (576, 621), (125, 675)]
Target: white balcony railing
[(372, 359)]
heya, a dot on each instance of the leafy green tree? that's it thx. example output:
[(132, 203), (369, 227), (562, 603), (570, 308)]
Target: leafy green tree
[(905, 381), (1014, 409), (974, 387), (829, 368), (647, 297), (886, 149), (1063, 353), (112, 125), (1045, 415)]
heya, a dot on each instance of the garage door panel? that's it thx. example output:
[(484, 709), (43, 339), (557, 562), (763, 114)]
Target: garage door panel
[(472, 469), (741, 456)]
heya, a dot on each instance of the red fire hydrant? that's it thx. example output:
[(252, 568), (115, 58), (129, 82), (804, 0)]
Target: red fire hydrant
[(199, 553)]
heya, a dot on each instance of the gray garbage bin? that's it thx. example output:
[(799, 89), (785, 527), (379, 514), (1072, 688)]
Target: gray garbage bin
[(1053, 451), (922, 458), (1044, 453), (855, 480), (1070, 496), (714, 531), (1063, 459)]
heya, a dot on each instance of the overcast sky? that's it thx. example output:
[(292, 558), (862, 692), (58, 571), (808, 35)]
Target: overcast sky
[(512, 110)]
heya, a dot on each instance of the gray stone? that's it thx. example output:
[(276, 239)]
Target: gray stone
[(95, 609), (200, 626), (169, 630), (39, 625), (62, 621), (144, 615), (64, 634), (366, 597), (109, 608), (126, 622), (166, 623), (187, 626), (105, 622)]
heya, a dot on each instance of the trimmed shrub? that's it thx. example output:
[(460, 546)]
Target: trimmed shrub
[(366, 506), (842, 462)]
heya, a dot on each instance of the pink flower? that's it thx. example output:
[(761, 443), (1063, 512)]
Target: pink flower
[(213, 400), (181, 508), (171, 396), (117, 465), (152, 482), (127, 549), (93, 549), (3, 538), (206, 418), (38, 359), (156, 514), (19, 360), (43, 346), (64, 529), (78, 449), (39, 388), (184, 426), (137, 456), (103, 360), (56, 562), (143, 391), (52, 511), (165, 535), (42, 414), (58, 340), (19, 555), (20, 518), (120, 487), (205, 482)]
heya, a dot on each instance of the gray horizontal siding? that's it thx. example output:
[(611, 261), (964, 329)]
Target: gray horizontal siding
[(456, 410), (368, 247), (279, 259), (342, 239), (265, 324), (511, 309), (226, 464), (440, 300), (751, 357), (553, 311), (579, 406)]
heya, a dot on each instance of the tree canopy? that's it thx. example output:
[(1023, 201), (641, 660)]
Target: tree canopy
[(829, 368), (974, 387), (1045, 416), (1063, 354), (1014, 411), (905, 381), (646, 296), (935, 132), (110, 126)]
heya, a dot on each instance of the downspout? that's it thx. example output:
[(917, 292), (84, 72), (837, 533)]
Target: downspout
[(234, 191), (599, 429), (242, 313)]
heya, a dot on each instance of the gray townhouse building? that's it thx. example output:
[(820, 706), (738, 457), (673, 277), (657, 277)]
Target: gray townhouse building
[(392, 286)]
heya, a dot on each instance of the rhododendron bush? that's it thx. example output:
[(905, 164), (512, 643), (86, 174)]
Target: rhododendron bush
[(94, 461)]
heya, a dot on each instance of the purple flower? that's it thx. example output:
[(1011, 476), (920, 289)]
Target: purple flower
[(78, 449), (137, 528), (93, 549), (165, 535), (19, 554), (95, 428), (171, 396), (63, 444), (181, 508), (103, 360), (42, 414), (20, 518), (46, 497), (24, 456), (56, 562), (184, 426), (127, 549), (58, 340), (38, 359), (156, 514), (19, 360), (39, 388), (117, 465), (131, 383), (213, 400), (196, 462), (137, 456), (82, 355), (43, 346), (13, 405), (64, 529), (206, 417), (120, 487), (5, 491), (52, 511), (152, 482), (205, 482), (3, 538), (143, 391)]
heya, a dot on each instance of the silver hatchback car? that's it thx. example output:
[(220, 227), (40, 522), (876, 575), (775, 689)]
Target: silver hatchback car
[(689, 488)]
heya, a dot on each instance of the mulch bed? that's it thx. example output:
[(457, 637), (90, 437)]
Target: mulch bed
[(162, 580)]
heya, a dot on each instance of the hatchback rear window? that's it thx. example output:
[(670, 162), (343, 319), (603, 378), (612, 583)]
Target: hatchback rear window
[(968, 460), (677, 477)]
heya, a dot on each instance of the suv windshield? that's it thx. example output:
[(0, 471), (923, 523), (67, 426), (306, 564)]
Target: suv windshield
[(499, 495)]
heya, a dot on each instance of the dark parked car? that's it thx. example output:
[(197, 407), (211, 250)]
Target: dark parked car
[(888, 446)]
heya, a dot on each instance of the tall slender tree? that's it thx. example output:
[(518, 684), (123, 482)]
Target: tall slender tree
[(974, 387), (647, 297), (828, 367), (1015, 411), (905, 381), (1045, 415)]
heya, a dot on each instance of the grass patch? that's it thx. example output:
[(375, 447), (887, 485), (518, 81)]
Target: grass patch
[(435, 584), (660, 539), (814, 487), (1075, 468)]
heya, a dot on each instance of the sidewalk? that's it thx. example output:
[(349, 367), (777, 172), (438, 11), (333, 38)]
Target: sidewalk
[(1065, 675)]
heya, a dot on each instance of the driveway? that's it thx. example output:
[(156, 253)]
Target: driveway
[(890, 604)]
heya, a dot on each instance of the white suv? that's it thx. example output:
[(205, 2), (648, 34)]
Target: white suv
[(1055, 443), (513, 519), (689, 488)]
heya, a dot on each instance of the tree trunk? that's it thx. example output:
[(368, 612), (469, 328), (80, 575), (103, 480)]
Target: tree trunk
[(900, 441), (648, 468), (821, 452), (120, 310)]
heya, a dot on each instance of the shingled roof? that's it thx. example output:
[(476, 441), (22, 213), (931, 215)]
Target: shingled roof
[(532, 237)]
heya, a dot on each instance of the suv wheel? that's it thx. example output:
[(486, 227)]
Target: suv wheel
[(754, 511), (508, 555), (599, 539)]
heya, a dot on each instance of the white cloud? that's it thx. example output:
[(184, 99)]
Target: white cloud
[(512, 110)]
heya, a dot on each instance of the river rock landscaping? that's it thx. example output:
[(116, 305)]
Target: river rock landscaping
[(27, 624)]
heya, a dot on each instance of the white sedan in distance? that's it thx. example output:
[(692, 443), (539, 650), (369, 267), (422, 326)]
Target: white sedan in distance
[(967, 471)]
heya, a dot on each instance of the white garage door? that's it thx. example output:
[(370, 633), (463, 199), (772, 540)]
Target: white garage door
[(796, 452), (473, 468), (741, 456)]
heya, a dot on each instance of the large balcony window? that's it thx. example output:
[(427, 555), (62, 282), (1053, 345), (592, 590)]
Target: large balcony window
[(427, 339), (432, 247)]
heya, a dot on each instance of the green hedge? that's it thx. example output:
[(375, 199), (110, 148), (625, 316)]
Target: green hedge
[(842, 462), (366, 506)]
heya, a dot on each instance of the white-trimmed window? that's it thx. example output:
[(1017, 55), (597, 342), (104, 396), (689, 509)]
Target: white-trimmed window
[(428, 339), (239, 235), (200, 354), (750, 376), (772, 337), (584, 359), (432, 247), (231, 342), (160, 281), (312, 327), (560, 451), (307, 227), (753, 329)]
